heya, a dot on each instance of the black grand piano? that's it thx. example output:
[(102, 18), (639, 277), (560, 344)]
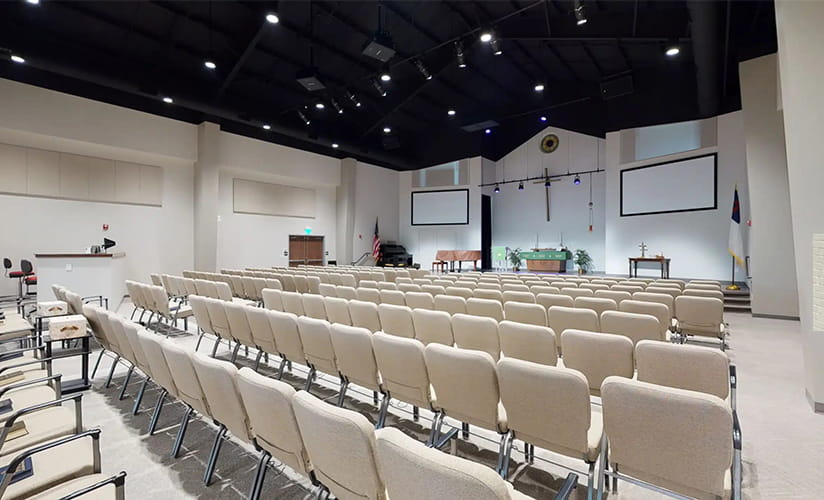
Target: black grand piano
[(394, 255)]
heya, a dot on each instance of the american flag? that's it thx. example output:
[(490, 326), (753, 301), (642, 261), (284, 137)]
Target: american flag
[(376, 243)]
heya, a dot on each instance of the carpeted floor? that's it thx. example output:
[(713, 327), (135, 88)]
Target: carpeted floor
[(783, 438)]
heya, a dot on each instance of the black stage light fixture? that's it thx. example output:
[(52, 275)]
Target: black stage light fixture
[(580, 14), (354, 100), (521, 186), (336, 105), (379, 87), (497, 189), (423, 70), (459, 54), (303, 117), (577, 180), (547, 182)]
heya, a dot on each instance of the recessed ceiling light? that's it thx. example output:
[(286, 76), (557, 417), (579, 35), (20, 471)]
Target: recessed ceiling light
[(488, 131), (385, 76), (543, 118), (539, 87), (18, 59), (387, 129), (320, 105), (335, 145), (486, 36), (580, 15), (168, 100), (451, 112), (33, 2), (496, 47), (210, 65), (272, 18), (267, 127), (673, 50)]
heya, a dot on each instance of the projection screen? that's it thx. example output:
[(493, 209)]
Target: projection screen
[(676, 186), (438, 208)]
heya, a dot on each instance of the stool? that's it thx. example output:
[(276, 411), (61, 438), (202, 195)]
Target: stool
[(18, 275)]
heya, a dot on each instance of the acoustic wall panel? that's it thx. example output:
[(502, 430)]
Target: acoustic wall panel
[(74, 177), (261, 198), (43, 173), (11, 158)]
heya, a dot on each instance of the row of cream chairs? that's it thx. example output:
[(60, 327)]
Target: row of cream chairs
[(248, 290), (155, 300), (335, 448), (406, 370)]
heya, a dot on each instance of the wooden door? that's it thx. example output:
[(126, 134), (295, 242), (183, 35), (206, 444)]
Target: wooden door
[(304, 249), (314, 250)]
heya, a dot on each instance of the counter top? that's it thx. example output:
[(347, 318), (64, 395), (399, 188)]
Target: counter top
[(79, 255)]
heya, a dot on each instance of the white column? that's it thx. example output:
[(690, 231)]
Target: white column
[(801, 66), (206, 182), (345, 230)]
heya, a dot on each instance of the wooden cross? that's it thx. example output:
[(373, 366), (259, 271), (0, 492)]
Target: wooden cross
[(643, 247)]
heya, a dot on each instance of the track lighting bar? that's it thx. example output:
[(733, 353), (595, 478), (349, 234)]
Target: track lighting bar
[(542, 178)]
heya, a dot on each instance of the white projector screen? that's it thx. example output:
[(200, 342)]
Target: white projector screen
[(438, 208), (676, 186)]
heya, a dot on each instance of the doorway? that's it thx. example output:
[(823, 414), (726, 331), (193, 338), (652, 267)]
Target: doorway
[(304, 249)]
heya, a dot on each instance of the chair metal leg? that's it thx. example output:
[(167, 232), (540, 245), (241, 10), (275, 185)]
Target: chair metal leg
[(309, 378), (382, 413), (601, 471), (282, 367), (111, 371), (156, 415), (199, 339), (260, 475), (591, 481), (139, 397), (344, 384), (435, 431), (126, 383), (97, 363), (375, 398), (214, 347), (210, 467), (131, 318), (234, 352), (257, 359), (184, 423), (464, 430), (416, 413), (506, 453)]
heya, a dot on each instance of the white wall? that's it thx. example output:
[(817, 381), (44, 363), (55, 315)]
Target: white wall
[(424, 241), (774, 287), (695, 241), (518, 217), (376, 195)]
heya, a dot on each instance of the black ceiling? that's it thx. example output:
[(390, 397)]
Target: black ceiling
[(134, 53)]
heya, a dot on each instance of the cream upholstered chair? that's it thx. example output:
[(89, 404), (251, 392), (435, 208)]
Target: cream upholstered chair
[(432, 326), (597, 304), (466, 384), (513, 287), (404, 372), (394, 297), (327, 290), (489, 308), (615, 295), (700, 292), (489, 294), (544, 289), (560, 284), (341, 446), (412, 471), (337, 310), (224, 292), (549, 407), (218, 379), (162, 376), (367, 284), (365, 315), (595, 286), (273, 299), (465, 283), (356, 360), (249, 288), (396, 320), (628, 288), (560, 318), (189, 390), (549, 299), (672, 291), (692, 285), (348, 280), (201, 314), (313, 306), (273, 425), (660, 298), (346, 292), (518, 296), (260, 284), (409, 287), (532, 314), (141, 359), (477, 333), (577, 292), (435, 290), (660, 311), (219, 321), (316, 338), (287, 338), (636, 327), (670, 282), (422, 281), (314, 284), (239, 327), (703, 457), (457, 291), (450, 303), (301, 283), (597, 356), (369, 295), (293, 303), (488, 285), (700, 316), (262, 335), (528, 342), (442, 281), (419, 300)]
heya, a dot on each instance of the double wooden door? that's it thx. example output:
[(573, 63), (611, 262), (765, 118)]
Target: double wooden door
[(305, 249)]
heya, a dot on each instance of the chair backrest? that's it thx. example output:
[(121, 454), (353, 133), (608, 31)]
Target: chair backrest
[(259, 284), (219, 382), (369, 295), (75, 302), (597, 304), (616, 295), (420, 300), (293, 303), (354, 355), (403, 368), (670, 282), (262, 334), (628, 288), (409, 287), (394, 297), (313, 306), (514, 287), (635, 326), (689, 367), (412, 471), (459, 291), (477, 333), (337, 310), (488, 294), (317, 344), (368, 284), (660, 311), (450, 303), (490, 308), (699, 315), (548, 406), (205, 288), (365, 314), (327, 290), (703, 438), (268, 404), (531, 314), (182, 370), (595, 286), (577, 292), (466, 385), (239, 323), (314, 284), (156, 280), (153, 346), (387, 285), (396, 320), (348, 280), (217, 317), (287, 337), (433, 289), (518, 296), (301, 284), (597, 356), (700, 292), (659, 298), (537, 289), (672, 291), (341, 446), (528, 342), (549, 299), (347, 292), (273, 299), (433, 326), (561, 318)]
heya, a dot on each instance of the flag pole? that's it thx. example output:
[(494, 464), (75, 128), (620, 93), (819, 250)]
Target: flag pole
[(732, 285)]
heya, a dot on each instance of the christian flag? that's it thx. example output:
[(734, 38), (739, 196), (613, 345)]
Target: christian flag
[(376, 243), (736, 244)]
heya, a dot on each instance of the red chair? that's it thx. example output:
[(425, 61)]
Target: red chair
[(29, 278), (24, 275)]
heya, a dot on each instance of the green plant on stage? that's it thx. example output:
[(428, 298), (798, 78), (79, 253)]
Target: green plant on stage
[(515, 258), (582, 260)]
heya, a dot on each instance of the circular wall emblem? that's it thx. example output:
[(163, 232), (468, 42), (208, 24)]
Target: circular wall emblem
[(549, 143)]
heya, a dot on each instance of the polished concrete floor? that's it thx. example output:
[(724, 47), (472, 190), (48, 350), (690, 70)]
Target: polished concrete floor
[(783, 439)]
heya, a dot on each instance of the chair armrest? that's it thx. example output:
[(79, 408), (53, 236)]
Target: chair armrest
[(733, 386), (42, 406), (736, 431), (22, 350), (736, 457), (118, 480), (17, 460), (56, 378), (26, 363), (570, 483)]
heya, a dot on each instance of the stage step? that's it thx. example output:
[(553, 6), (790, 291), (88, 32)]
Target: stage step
[(737, 300)]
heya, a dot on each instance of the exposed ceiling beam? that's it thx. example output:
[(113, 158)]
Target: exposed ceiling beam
[(250, 48), (593, 60)]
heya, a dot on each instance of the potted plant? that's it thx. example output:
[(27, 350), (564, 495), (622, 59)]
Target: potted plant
[(515, 258), (582, 260)]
